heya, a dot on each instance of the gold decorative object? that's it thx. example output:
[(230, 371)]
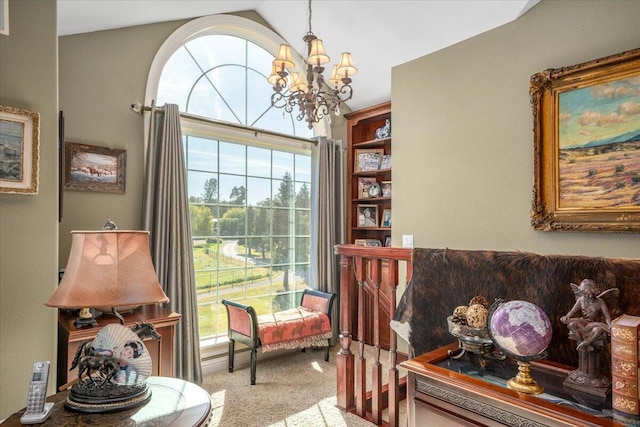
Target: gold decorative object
[(523, 381)]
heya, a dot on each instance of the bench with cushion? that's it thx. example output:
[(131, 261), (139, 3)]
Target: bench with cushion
[(308, 325)]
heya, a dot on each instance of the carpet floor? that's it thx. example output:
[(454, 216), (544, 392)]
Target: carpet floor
[(294, 389)]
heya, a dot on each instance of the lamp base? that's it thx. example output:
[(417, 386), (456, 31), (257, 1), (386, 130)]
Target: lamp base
[(87, 317)]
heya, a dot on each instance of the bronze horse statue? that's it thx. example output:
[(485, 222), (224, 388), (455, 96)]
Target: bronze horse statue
[(106, 365)]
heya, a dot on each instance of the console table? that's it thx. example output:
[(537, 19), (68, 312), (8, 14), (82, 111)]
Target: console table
[(161, 352), (448, 392), (173, 402)]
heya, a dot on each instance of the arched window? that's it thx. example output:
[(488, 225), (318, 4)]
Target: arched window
[(249, 191)]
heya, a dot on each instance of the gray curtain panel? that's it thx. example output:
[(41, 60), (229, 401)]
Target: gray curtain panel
[(166, 217), (327, 216)]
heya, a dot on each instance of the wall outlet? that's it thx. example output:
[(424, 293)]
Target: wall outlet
[(407, 240)]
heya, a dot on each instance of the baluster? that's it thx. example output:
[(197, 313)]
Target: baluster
[(344, 359), (361, 361), (376, 369), (394, 379)]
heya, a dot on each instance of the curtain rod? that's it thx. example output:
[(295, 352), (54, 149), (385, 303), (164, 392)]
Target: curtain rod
[(138, 108)]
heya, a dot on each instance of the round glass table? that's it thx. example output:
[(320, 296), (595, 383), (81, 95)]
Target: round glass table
[(173, 402)]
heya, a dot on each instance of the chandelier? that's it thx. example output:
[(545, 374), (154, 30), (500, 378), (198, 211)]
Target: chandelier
[(310, 95)]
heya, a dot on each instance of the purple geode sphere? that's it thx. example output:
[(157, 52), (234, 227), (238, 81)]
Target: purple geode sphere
[(520, 328)]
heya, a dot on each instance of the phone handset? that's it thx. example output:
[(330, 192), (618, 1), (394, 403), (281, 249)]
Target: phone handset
[(37, 409)]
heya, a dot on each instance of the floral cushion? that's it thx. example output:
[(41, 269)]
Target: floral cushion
[(294, 328)]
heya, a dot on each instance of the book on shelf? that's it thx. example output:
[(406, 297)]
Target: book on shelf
[(625, 340)]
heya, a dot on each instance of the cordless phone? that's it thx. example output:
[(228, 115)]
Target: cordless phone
[(37, 409)]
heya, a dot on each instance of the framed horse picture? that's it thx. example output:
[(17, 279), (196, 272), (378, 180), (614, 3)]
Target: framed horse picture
[(93, 168)]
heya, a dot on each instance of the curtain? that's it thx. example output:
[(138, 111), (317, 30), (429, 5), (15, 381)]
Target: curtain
[(327, 216), (166, 217)]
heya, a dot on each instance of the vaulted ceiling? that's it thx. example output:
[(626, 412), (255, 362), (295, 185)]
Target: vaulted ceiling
[(379, 34)]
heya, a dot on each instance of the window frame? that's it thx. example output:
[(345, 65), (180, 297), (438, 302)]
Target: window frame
[(193, 125)]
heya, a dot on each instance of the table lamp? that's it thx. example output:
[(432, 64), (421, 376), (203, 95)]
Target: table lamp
[(108, 268)]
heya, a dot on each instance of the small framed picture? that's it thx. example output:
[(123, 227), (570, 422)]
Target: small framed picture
[(386, 188), (367, 215), (93, 168), (385, 163), (368, 242), (386, 218), (364, 184), (387, 242), (367, 159)]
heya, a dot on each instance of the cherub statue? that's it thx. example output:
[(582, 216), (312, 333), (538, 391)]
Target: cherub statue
[(592, 328)]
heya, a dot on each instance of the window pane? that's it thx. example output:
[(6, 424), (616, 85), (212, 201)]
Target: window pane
[(231, 189), (282, 165), (207, 102), (282, 193), (302, 222), (232, 224), (214, 50), (258, 191), (303, 168), (259, 162), (202, 154), (232, 158), (281, 222), (200, 186), (180, 68), (303, 195)]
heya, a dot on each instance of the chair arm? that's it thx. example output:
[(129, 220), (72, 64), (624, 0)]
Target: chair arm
[(318, 301), (243, 323)]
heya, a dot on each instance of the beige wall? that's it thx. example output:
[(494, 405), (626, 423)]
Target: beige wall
[(29, 223), (101, 74), (462, 131)]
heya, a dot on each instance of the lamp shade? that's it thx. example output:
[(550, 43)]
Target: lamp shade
[(317, 55), (108, 269), (346, 67), (284, 58)]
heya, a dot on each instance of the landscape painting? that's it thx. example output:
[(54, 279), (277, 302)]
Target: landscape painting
[(599, 146), (94, 168), (586, 134), (19, 146)]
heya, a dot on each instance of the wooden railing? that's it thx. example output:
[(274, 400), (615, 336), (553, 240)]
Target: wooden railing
[(368, 287)]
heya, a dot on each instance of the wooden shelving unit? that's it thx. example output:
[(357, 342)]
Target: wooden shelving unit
[(361, 135), (361, 130)]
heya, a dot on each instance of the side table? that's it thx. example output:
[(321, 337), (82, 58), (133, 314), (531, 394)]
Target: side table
[(173, 402)]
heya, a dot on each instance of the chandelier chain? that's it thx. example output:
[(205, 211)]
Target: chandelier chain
[(310, 17)]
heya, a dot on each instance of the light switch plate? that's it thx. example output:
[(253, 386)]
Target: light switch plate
[(407, 240)]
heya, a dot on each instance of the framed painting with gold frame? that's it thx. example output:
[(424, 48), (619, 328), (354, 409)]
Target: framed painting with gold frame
[(94, 168), (19, 150), (587, 146)]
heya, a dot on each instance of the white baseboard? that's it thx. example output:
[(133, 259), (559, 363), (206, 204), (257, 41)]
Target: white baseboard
[(220, 362)]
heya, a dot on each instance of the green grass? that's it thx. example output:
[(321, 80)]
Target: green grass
[(227, 280)]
